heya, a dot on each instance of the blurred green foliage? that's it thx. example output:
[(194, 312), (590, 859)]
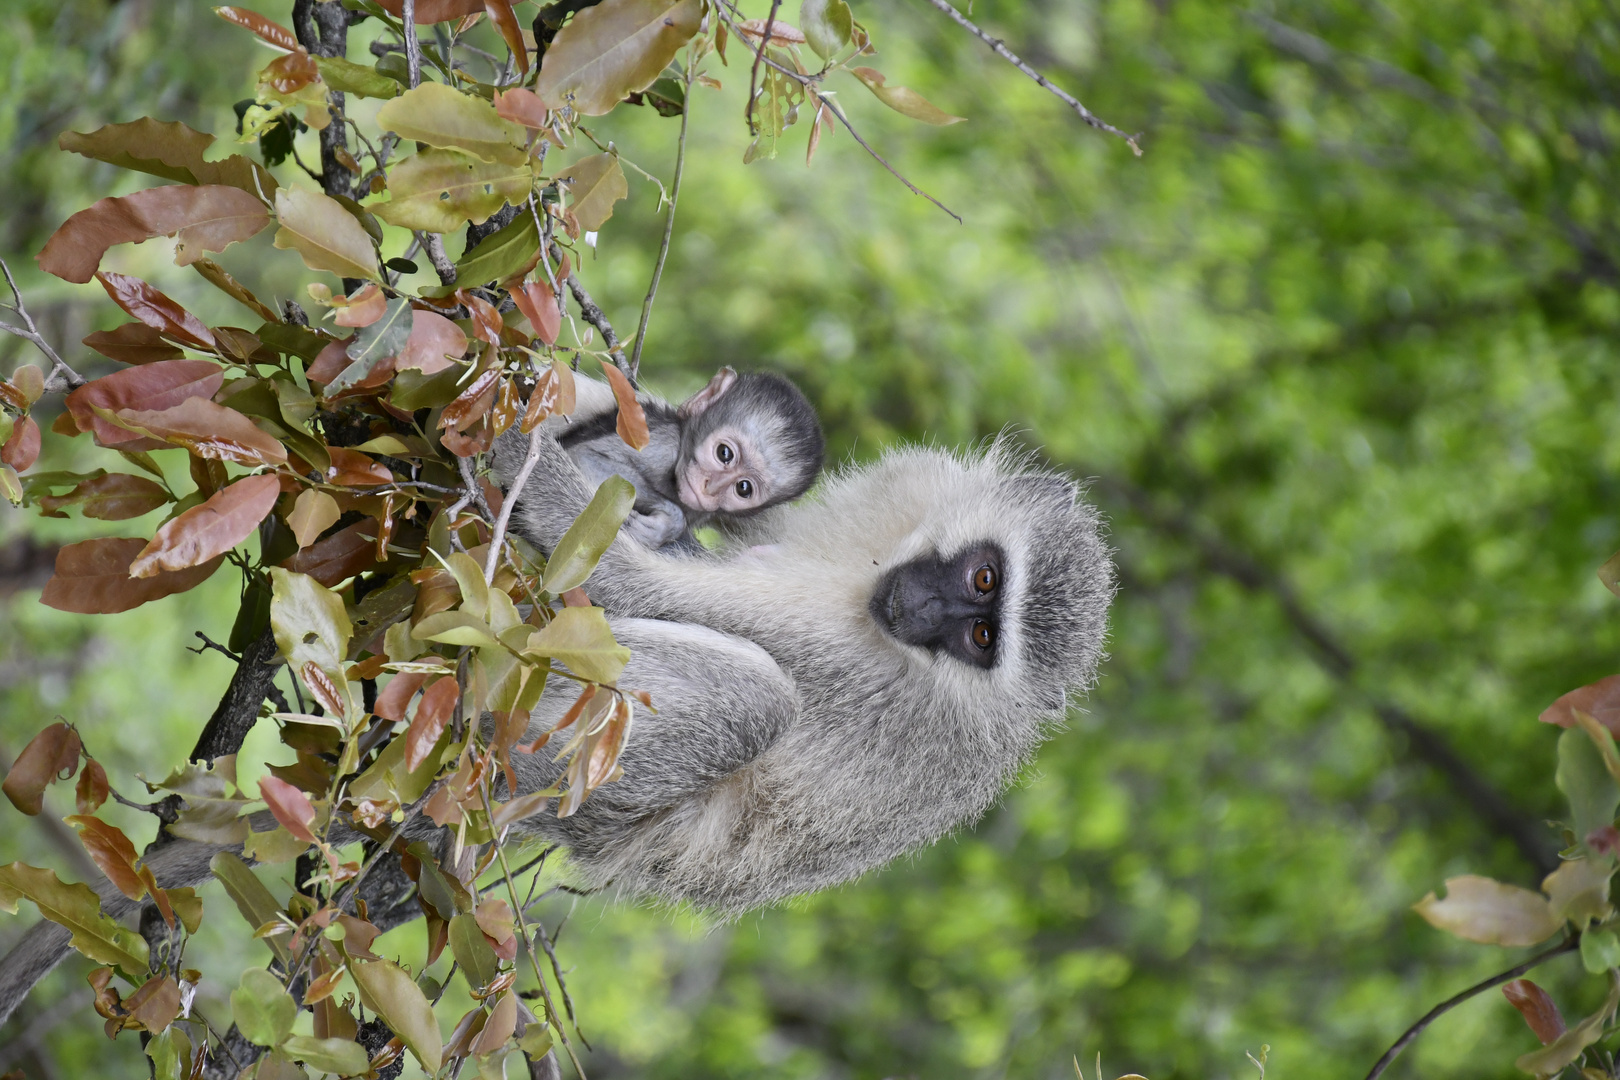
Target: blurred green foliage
[(1340, 350)]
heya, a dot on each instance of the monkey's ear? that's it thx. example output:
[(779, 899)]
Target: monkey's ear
[(698, 402)]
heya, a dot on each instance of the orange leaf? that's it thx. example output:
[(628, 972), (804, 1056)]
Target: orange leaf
[(539, 305), (92, 577), (290, 806), (209, 217), (209, 431), (113, 497), (133, 343), (152, 387), (473, 402), (487, 321), (521, 107), (365, 307), (505, 410), (112, 852), (437, 706), (351, 468), (272, 32), (632, 425), (553, 393), (213, 528), (1537, 1009), (48, 756), (329, 363), (500, 13), (396, 696), (157, 1004), (433, 340), (91, 791), (568, 718), (291, 73), (156, 310), (22, 448)]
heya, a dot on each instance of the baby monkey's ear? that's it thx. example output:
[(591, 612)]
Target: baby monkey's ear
[(700, 401)]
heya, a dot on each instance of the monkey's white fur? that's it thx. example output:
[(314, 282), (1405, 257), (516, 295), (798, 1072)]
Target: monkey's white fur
[(797, 744)]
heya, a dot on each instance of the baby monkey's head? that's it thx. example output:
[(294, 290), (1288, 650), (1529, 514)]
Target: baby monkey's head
[(747, 442)]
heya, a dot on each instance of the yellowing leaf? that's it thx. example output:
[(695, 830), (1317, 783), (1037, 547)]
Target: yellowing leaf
[(171, 150), (1480, 909), (580, 637), (325, 235), (310, 622), (1579, 890), (392, 994), (595, 184), (262, 1008), (442, 190), (75, 907), (444, 117), (904, 100), (1563, 1051), (614, 49), (250, 896), (313, 513)]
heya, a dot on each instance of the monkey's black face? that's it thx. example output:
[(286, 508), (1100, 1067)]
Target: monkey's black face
[(945, 604)]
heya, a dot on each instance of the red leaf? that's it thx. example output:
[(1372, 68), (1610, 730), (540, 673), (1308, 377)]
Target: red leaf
[(473, 402), (291, 73), (338, 557), (22, 449), (351, 468), (112, 852), (1600, 699), (539, 305), (92, 789), (464, 446), (487, 321), (156, 310), (1536, 1007), (329, 362), (133, 343), (632, 425), (433, 339), (521, 107), (155, 386), (209, 217), (432, 11), (48, 756), (396, 696), (325, 690), (500, 13), (438, 703), (203, 532), (209, 431), (366, 306), (290, 806), (272, 32), (113, 497), (92, 577)]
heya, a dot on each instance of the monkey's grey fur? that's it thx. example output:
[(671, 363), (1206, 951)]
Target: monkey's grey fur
[(796, 744)]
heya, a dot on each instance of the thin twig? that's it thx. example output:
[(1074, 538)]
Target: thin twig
[(1569, 945), (753, 73), (413, 47), (58, 367), (1001, 50), (433, 244), (591, 313), (497, 539), (669, 217)]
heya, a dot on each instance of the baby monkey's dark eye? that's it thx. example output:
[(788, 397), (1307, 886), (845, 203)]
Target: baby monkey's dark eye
[(984, 579), (984, 635), (724, 452), (745, 489)]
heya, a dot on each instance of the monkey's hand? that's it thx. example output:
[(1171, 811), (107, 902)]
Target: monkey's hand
[(656, 526)]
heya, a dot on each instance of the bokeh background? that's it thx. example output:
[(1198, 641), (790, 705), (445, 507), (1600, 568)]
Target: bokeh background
[(1339, 352)]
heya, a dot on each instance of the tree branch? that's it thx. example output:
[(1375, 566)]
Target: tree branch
[(1001, 50), (238, 710), (28, 331), (1569, 945)]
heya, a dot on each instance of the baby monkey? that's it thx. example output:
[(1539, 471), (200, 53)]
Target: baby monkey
[(742, 443)]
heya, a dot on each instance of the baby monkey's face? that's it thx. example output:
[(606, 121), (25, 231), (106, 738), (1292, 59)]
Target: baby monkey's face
[(725, 474)]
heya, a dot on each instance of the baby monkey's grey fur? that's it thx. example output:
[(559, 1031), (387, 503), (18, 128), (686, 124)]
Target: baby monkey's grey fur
[(821, 708), (739, 445)]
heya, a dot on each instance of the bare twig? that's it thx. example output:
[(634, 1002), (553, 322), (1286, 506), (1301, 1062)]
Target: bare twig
[(669, 217), (70, 378), (591, 313), (1001, 50), (471, 487), (497, 539), (413, 47), (753, 73), (1569, 945), (210, 643)]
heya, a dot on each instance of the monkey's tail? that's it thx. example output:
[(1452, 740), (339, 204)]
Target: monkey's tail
[(175, 864)]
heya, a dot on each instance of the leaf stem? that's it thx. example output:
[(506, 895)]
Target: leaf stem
[(669, 216)]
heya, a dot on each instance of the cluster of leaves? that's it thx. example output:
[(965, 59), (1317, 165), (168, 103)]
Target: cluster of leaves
[(356, 454)]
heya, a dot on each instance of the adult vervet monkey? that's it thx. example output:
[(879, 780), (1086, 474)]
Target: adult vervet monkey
[(868, 679)]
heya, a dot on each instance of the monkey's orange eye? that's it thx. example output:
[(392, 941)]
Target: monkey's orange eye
[(984, 578), (984, 635), (724, 452), (745, 489)]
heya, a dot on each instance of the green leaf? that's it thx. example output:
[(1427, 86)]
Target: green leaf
[(387, 778), (455, 628), (171, 1052), (414, 390), (309, 620), (374, 344), (390, 993), (827, 25), (442, 190), (250, 896), (470, 580), (1585, 781), (343, 1057), (299, 341), (581, 547), (444, 117), (77, 908), (1600, 951), (613, 49), (472, 951), (581, 638), (513, 250), (904, 100), (263, 1010), (348, 77)]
